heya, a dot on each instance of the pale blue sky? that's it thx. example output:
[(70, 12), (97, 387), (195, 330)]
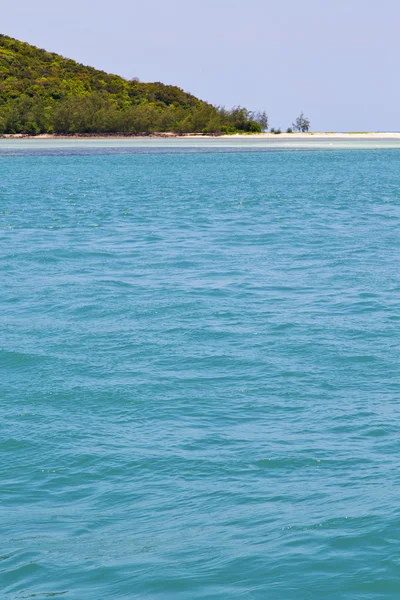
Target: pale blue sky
[(335, 59)]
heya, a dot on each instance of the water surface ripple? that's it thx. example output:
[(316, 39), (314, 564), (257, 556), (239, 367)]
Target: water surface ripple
[(200, 374)]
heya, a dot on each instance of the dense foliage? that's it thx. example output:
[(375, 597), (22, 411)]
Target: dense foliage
[(42, 92)]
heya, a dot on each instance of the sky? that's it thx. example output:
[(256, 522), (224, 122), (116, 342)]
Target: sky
[(336, 60)]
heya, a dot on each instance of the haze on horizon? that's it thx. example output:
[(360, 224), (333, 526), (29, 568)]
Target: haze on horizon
[(337, 63)]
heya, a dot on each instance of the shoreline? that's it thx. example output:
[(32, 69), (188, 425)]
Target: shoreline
[(258, 136)]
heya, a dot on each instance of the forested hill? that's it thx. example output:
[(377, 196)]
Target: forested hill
[(43, 92)]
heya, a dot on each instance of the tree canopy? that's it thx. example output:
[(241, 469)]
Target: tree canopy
[(302, 124), (43, 92)]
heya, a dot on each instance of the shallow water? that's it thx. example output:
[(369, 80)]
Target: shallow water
[(132, 145), (200, 383)]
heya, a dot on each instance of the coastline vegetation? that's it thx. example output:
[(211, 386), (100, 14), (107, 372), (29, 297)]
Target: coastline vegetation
[(301, 124), (43, 92)]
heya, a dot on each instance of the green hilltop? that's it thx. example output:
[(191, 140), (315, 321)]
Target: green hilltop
[(43, 92)]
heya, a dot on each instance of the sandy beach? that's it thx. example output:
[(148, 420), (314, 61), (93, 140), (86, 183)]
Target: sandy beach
[(259, 136)]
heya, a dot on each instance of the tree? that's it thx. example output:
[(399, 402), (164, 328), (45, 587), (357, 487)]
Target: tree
[(260, 117), (301, 124)]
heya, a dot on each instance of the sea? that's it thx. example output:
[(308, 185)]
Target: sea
[(199, 369)]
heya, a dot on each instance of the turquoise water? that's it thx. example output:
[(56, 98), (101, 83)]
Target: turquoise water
[(200, 371)]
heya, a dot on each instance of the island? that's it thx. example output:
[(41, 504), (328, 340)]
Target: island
[(44, 93)]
